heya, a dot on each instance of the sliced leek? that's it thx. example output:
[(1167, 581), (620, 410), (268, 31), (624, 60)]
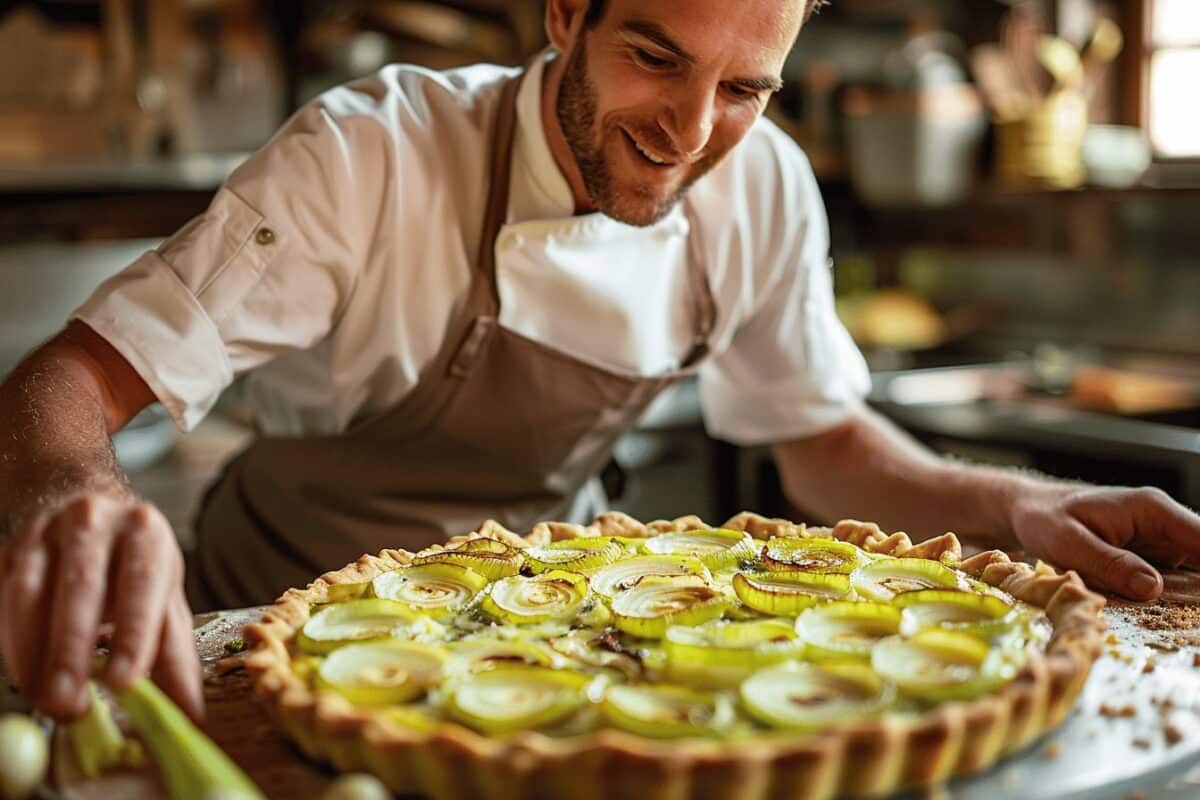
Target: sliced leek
[(479, 655), (439, 590), (721, 654), (788, 592), (937, 665), (813, 696), (965, 612), (576, 555), (811, 555), (716, 548), (884, 579), (488, 557), (624, 574), (192, 766), (355, 621), (382, 673), (656, 603), (846, 630), (660, 712), (551, 596), (602, 651), (516, 698)]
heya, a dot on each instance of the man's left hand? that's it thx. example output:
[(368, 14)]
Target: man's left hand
[(1110, 536)]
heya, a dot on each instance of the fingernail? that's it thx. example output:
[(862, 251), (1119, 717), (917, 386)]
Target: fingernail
[(62, 688), (1143, 584), (119, 669)]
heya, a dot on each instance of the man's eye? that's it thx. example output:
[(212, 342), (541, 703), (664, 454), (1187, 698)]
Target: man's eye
[(650, 60), (740, 92)]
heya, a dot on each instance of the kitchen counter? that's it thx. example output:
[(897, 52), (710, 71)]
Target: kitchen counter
[(976, 405), (1136, 726)]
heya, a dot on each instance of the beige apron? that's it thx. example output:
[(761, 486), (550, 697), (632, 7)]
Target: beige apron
[(498, 426)]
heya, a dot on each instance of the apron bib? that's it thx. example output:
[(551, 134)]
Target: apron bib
[(499, 426)]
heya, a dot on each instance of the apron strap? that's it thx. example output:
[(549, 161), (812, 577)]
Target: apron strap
[(500, 156), (704, 307)]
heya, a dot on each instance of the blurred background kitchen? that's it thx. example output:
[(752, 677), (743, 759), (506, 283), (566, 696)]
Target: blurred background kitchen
[(1013, 189)]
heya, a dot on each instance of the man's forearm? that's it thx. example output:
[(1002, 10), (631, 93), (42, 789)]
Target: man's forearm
[(869, 469), (54, 439)]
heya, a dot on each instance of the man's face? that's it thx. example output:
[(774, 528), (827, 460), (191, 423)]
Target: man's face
[(658, 91)]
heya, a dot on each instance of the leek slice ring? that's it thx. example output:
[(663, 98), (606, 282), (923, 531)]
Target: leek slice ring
[(788, 592), (549, 596), (622, 575), (937, 665), (490, 558), (355, 621), (479, 655), (516, 698), (983, 615), (657, 602), (715, 547), (721, 654), (438, 589), (846, 630), (810, 554), (885, 578), (381, 673), (810, 697), (576, 555), (660, 711)]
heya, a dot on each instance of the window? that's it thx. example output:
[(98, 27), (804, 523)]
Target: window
[(1173, 48)]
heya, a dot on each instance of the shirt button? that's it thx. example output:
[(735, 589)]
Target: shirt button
[(265, 236)]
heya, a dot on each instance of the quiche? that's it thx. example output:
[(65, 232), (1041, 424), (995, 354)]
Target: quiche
[(758, 659)]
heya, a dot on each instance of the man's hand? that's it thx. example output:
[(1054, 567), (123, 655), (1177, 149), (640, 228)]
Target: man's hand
[(96, 556), (1104, 533)]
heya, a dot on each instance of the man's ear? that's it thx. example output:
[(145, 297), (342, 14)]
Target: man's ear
[(564, 19)]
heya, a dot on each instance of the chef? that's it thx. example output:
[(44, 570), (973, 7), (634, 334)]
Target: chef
[(452, 293)]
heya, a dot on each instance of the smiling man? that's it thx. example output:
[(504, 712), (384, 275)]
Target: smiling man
[(453, 292)]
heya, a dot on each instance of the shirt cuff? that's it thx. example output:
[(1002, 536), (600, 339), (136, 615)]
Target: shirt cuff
[(156, 323)]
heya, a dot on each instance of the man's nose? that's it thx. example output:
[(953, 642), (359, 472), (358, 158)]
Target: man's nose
[(688, 118)]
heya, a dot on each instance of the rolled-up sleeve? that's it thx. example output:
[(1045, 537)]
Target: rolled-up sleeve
[(266, 268), (791, 369)]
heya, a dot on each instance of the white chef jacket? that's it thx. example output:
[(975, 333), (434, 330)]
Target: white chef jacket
[(332, 261)]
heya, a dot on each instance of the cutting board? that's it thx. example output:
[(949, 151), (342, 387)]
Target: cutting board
[(1093, 755)]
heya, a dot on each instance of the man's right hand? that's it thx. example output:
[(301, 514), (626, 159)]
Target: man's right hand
[(96, 557)]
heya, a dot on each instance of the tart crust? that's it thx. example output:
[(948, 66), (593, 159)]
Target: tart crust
[(867, 758)]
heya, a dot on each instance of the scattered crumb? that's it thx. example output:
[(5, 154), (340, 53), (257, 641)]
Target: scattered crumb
[(1111, 639), (1142, 742), (1166, 616), (1052, 750), (1163, 646), (1136, 794), (1196, 659), (1172, 734), (1148, 666), (1117, 711)]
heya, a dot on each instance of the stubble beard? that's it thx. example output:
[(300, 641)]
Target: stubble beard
[(576, 109)]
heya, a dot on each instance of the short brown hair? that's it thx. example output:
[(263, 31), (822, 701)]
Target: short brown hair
[(596, 10)]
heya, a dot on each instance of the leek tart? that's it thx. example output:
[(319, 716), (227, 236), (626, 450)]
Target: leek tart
[(632, 658)]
